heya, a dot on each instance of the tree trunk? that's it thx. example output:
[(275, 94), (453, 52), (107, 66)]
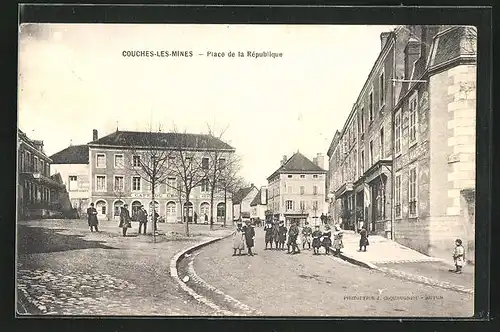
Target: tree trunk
[(212, 208), (187, 219), (153, 226), (225, 206)]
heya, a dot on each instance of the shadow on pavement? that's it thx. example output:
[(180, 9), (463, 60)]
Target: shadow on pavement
[(32, 240)]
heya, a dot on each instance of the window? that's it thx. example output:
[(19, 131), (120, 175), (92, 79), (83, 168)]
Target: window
[(289, 176), (136, 183), (370, 106), (222, 162), (382, 89), (302, 205), (100, 160), (289, 205), (362, 121), (119, 183), (315, 190), (397, 133), (101, 183), (204, 163), (171, 185), (412, 192), (412, 127), (315, 205), (302, 176), (302, 190), (290, 189), (118, 161), (171, 209), (136, 161), (397, 194), (205, 186), (73, 183), (382, 154), (35, 164), (370, 154), (315, 176)]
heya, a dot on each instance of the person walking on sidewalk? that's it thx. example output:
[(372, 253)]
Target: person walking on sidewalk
[(337, 240), (249, 236), (306, 236), (124, 219), (142, 217), (327, 239), (316, 242), (458, 256), (363, 241), (92, 218), (238, 239)]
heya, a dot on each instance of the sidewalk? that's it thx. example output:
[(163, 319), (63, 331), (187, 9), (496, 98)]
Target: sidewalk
[(392, 258)]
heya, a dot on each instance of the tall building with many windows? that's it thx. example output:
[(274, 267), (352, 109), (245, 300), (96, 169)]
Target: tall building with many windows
[(415, 141), (296, 190)]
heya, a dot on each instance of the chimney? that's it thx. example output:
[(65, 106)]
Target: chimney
[(320, 160), (251, 185), (95, 136), (412, 53), (38, 145), (384, 36), (283, 161)]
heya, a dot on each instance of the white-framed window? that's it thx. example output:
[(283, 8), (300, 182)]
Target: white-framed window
[(136, 161), (119, 161), (289, 205), (412, 192), (315, 176), (302, 205), (73, 182), (302, 176), (397, 195), (302, 190), (101, 184), (171, 209), (171, 185), (36, 164), (136, 183), (315, 190), (100, 160), (370, 106), (382, 89), (222, 163), (413, 119), (397, 133), (315, 205), (119, 183), (205, 185), (370, 154)]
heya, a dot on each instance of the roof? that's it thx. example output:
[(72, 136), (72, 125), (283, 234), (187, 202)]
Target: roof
[(159, 139), (256, 200), (75, 154), (298, 163), (241, 194)]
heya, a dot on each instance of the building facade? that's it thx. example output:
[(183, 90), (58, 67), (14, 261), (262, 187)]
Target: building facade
[(72, 164), (114, 178), (415, 141), (241, 202), (297, 190), (258, 206), (38, 194)]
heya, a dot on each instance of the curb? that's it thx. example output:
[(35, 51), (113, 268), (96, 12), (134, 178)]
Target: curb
[(408, 276), (174, 273)]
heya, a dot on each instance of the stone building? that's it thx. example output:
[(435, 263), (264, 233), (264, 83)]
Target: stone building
[(39, 194), (114, 179), (415, 141), (242, 200), (296, 190), (258, 205), (333, 178)]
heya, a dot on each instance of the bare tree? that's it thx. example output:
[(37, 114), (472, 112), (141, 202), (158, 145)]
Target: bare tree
[(149, 160), (230, 181)]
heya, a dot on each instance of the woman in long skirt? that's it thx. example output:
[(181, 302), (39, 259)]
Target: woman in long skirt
[(238, 240), (316, 242), (327, 239)]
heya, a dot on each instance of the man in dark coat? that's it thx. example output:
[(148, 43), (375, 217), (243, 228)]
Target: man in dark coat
[(124, 219), (363, 241), (92, 218), (249, 236), (142, 218), (269, 228), (293, 233)]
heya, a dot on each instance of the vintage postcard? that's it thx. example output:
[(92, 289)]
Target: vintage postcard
[(246, 170)]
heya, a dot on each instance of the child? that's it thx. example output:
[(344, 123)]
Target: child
[(327, 239), (458, 256), (238, 240), (316, 243), (306, 234)]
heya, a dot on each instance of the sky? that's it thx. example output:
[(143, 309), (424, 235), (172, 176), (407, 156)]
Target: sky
[(73, 78)]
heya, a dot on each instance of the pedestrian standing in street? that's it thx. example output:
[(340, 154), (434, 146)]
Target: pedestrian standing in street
[(327, 239), (124, 219), (142, 217), (323, 219), (238, 239), (306, 236), (316, 242), (282, 234), (337, 240), (363, 241), (92, 218), (268, 229), (249, 237), (458, 256), (293, 233)]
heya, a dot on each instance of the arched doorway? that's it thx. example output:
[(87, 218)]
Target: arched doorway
[(117, 207), (221, 212), (134, 208), (171, 209), (188, 212), (101, 207), (205, 212)]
